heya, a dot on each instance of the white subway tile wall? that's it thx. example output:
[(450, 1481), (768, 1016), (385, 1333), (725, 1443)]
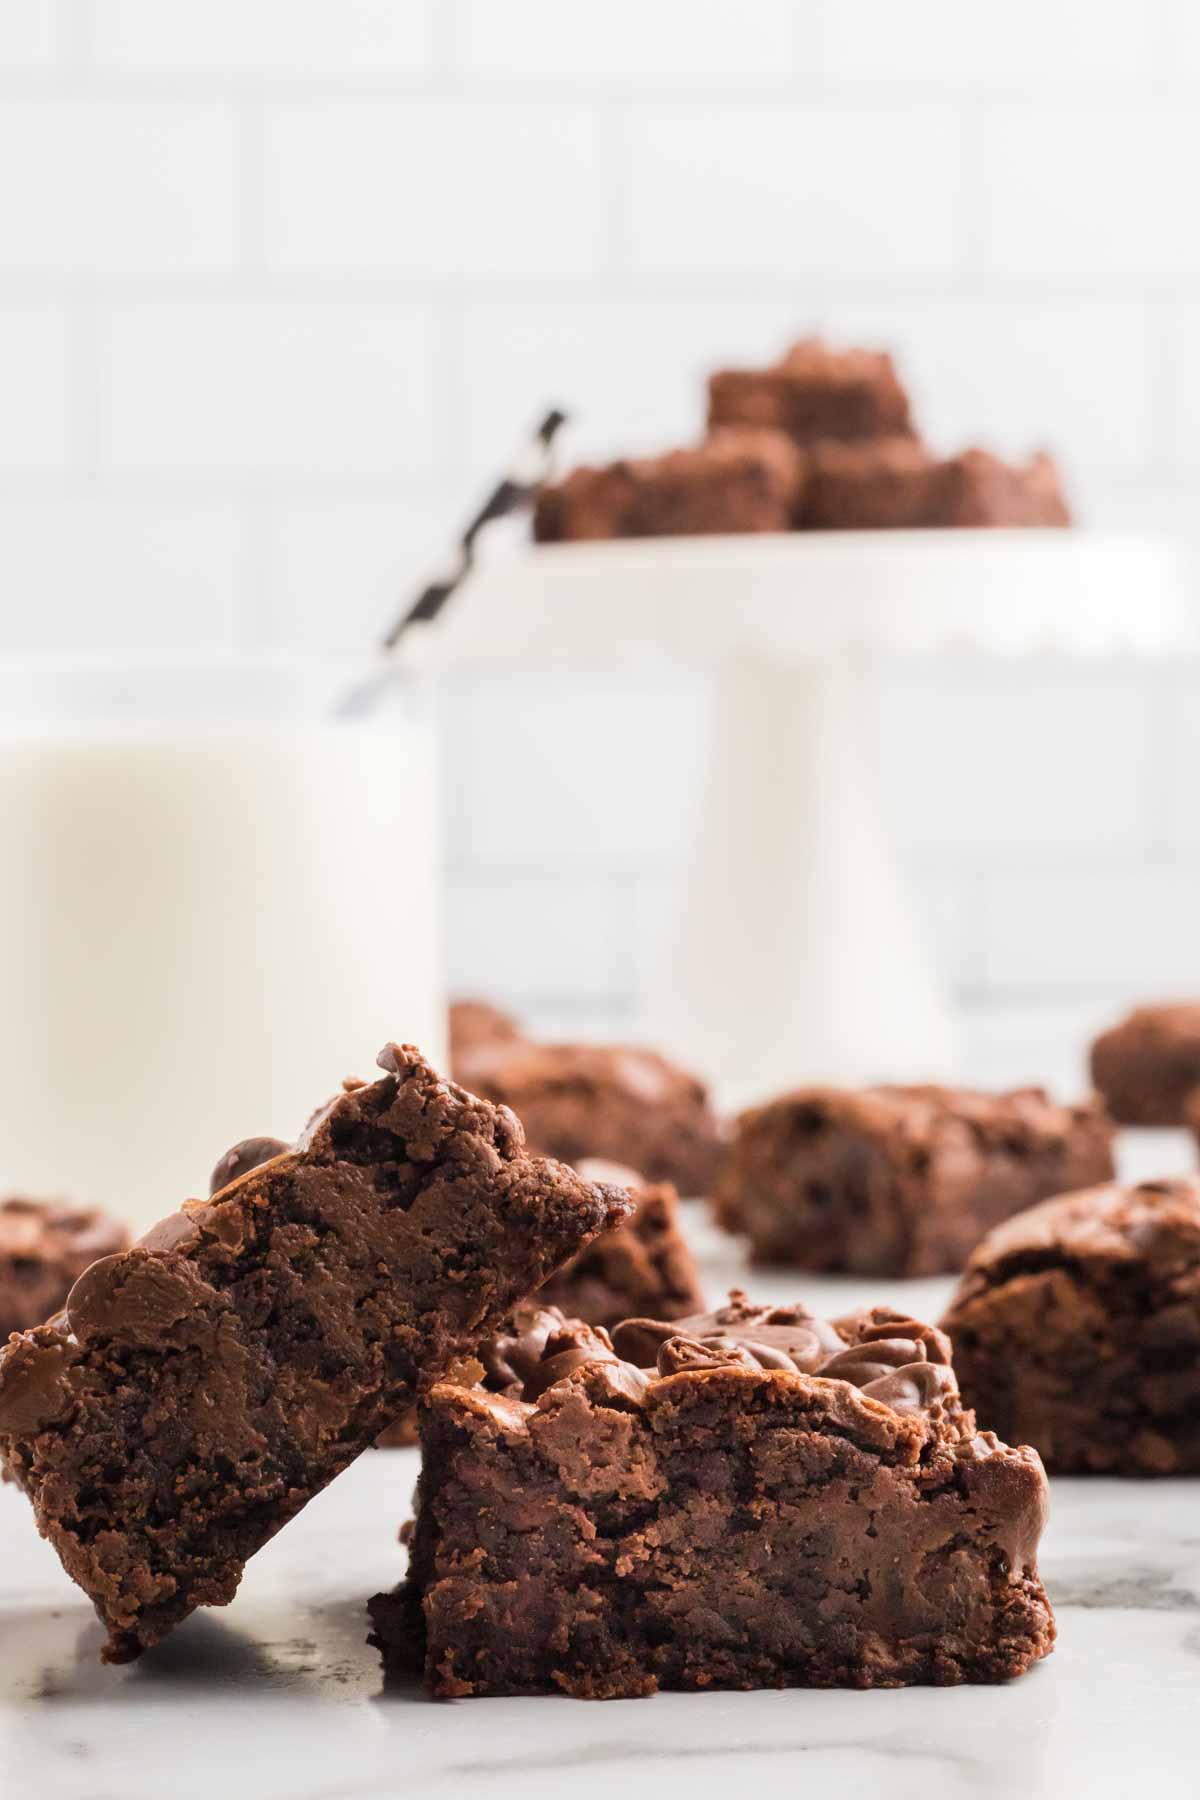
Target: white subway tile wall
[(281, 281)]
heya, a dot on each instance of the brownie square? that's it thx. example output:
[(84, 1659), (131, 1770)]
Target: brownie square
[(736, 481), (977, 488), (879, 484), (204, 1385), (899, 1180), (1148, 1066), (474, 1023), (1077, 1327), (898, 484), (643, 1265), (616, 1102), (44, 1247), (750, 1499), (814, 392)]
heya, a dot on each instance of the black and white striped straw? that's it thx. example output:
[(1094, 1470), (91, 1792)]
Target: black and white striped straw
[(516, 489)]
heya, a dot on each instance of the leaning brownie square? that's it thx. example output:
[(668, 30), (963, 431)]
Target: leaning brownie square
[(755, 1498), (201, 1387), (899, 1180), (1076, 1327)]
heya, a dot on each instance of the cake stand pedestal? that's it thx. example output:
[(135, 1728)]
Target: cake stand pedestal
[(793, 955)]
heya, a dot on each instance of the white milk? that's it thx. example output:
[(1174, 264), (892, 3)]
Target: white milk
[(203, 927)]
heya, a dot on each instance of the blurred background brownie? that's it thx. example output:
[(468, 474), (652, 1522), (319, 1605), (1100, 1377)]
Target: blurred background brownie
[(44, 1247), (814, 392), (1076, 1328), (1148, 1066), (616, 1102), (736, 481), (898, 483), (977, 488), (899, 1180), (642, 1266), (476, 1022)]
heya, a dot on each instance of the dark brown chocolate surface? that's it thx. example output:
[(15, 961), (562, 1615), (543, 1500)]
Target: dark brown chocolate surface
[(814, 392), (44, 1247), (642, 1265), (750, 1498), (201, 1387), (1147, 1067), (616, 1102), (899, 1180), (735, 481), (1076, 1328)]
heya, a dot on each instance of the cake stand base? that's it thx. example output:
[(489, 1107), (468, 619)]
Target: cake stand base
[(793, 955)]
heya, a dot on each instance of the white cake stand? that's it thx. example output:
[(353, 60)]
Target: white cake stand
[(793, 955)]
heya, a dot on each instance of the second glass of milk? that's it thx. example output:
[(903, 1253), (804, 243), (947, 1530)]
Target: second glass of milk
[(218, 899)]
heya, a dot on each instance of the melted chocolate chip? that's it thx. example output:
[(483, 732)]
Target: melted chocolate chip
[(251, 1153)]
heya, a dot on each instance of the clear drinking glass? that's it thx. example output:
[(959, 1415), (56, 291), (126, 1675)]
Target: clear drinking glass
[(219, 897)]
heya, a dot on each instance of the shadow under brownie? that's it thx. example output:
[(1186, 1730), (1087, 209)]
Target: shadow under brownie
[(754, 1498)]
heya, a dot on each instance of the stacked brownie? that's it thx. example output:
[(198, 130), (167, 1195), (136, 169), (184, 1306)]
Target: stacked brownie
[(737, 480), (821, 440), (814, 394), (899, 1180), (613, 1101), (755, 1498), (44, 1248), (901, 484)]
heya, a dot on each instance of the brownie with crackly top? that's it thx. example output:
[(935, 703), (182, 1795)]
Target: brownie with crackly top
[(45, 1245), (201, 1387), (1076, 1327), (752, 1498), (899, 1180)]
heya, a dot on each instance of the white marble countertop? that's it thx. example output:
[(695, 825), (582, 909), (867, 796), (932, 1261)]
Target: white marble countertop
[(278, 1697)]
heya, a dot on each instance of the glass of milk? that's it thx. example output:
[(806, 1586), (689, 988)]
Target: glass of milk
[(218, 898)]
